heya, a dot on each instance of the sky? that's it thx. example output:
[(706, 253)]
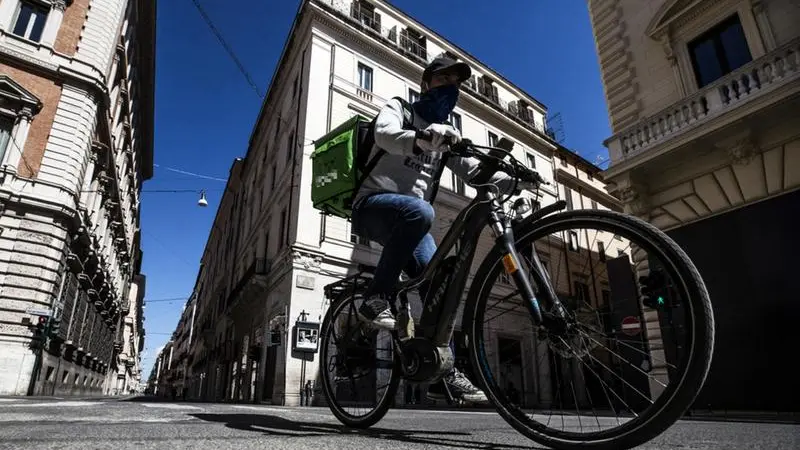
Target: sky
[(205, 108)]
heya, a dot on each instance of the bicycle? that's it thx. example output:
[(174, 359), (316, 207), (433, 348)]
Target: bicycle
[(420, 350)]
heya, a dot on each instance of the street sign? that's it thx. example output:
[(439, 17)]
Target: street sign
[(38, 312), (631, 326)]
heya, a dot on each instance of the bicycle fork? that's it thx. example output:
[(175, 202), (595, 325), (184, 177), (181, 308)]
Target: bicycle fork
[(504, 235)]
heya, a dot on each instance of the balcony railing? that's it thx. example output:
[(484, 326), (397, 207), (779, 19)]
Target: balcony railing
[(354, 89), (757, 78), (406, 43), (364, 16)]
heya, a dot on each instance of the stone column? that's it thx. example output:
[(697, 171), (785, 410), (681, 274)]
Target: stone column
[(764, 28), (7, 8), (19, 134), (666, 44), (53, 23)]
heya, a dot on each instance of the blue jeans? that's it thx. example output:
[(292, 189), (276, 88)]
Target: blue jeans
[(400, 223)]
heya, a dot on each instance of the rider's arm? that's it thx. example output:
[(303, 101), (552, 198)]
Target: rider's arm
[(389, 132), (468, 168)]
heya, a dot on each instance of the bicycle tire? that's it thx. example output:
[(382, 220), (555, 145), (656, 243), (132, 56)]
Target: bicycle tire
[(679, 398), (386, 401)]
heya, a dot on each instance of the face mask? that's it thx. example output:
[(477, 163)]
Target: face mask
[(437, 103)]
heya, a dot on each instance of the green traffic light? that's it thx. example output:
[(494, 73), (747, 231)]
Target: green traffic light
[(660, 301)]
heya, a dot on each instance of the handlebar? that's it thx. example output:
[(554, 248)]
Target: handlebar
[(512, 168)]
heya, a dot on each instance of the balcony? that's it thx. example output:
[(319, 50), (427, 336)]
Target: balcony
[(758, 80), (412, 45), (362, 15)]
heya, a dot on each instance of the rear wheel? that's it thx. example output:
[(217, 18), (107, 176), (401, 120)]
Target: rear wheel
[(609, 356), (360, 373)]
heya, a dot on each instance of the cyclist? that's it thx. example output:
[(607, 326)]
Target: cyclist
[(392, 206)]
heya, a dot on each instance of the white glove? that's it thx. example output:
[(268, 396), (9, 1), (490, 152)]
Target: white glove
[(527, 186), (443, 135)]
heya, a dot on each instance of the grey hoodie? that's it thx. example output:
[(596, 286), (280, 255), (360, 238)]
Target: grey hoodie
[(400, 171)]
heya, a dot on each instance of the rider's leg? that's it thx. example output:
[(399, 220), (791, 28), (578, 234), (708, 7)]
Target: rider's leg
[(399, 223), (458, 384)]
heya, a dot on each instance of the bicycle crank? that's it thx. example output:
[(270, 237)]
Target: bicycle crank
[(425, 362)]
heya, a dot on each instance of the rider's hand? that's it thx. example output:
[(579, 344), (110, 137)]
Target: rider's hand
[(527, 186), (443, 136)]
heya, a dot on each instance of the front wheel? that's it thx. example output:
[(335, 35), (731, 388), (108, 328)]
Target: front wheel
[(621, 368)]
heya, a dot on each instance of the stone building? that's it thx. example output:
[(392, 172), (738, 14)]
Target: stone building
[(703, 100), (76, 144)]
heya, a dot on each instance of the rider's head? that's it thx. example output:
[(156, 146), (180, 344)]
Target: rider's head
[(439, 88)]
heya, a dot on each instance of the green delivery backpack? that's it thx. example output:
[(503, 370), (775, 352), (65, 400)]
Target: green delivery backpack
[(340, 162)]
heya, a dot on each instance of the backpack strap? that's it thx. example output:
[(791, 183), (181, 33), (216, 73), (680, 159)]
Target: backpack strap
[(368, 142), (408, 124)]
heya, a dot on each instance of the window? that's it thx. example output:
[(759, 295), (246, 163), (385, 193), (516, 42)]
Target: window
[(292, 145), (356, 238), (601, 250), (492, 139), (582, 292), (413, 96), (30, 21), (274, 175), (573, 240), (568, 197), (531, 161), (365, 77), (455, 119), (6, 127), (294, 86), (283, 228), (719, 51)]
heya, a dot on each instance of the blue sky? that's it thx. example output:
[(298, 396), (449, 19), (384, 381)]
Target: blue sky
[(205, 107)]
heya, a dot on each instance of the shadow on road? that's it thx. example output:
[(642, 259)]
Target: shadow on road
[(279, 426)]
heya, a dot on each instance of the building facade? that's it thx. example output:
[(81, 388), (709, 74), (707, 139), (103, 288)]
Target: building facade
[(76, 142), (703, 101), (270, 253)]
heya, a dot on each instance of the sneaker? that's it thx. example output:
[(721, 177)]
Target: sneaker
[(460, 388), (375, 310)]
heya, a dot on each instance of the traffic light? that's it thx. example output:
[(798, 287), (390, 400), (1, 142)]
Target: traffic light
[(41, 325), (55, 326), (39, 330), (654, 289)]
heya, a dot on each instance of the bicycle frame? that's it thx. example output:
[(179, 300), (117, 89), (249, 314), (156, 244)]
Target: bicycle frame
[(448, 275)]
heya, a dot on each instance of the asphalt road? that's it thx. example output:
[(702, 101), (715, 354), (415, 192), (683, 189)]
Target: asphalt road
[(144, 423)]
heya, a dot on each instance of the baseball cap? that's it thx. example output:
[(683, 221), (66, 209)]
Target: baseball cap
[(443, 63)]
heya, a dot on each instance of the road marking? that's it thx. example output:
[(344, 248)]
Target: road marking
[(169, 406), (266, 408), (57, 404), (445, 411)]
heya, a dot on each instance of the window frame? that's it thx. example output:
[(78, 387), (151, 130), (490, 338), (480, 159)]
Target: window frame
[(359, 66), (713, 34), (42, 6)]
